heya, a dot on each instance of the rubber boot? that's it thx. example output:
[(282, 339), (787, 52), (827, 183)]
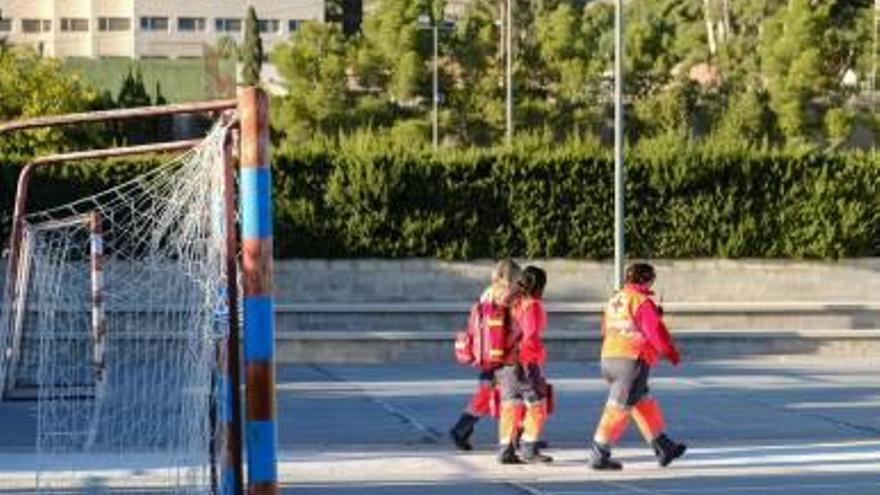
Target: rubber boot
[(462, 431), (600, 458), (667, 450), (532, 453)]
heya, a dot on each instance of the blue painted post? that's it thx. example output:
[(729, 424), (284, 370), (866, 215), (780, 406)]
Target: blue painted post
[(259, 325)]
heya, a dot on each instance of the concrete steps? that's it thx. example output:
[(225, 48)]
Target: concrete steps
[(436, 347)]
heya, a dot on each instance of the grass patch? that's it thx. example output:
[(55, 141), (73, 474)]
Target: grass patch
[(181, 80)]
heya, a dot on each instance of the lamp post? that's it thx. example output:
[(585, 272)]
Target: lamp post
[(508, 67), (427, 21), (618, 146)]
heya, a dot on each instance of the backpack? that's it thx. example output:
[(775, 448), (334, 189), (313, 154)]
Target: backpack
[(484, 343)]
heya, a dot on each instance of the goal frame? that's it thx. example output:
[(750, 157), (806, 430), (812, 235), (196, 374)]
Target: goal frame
[(247, 149)]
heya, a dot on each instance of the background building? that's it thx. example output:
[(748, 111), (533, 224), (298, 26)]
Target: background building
[(145, 28)]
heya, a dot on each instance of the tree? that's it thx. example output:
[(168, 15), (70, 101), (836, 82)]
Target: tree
[(792, 59), (476, 107), (251, 50), (390, 55), (163, 125), (32, 86), (572, 82), (132, 94), (748, 120), (313, 67)]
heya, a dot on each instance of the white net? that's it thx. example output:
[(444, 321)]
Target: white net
[(130, 402)]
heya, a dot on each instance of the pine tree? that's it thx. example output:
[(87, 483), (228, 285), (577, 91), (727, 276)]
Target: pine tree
[(252, 50)]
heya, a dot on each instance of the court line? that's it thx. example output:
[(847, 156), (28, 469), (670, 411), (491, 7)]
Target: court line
[(429, 434), (787, 488)]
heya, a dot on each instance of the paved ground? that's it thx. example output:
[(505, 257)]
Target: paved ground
[(756, 427)]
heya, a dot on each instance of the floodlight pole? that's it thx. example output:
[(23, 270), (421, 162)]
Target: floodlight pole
[(619, 248), (508, 27), (435, 86)]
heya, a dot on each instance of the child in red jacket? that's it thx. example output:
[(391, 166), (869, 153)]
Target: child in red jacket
[(634, 338)]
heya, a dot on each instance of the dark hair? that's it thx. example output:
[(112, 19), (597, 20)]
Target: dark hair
[(640, 273), (532, 281)]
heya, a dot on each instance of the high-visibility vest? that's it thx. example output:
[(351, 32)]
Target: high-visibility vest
[(621, 337)]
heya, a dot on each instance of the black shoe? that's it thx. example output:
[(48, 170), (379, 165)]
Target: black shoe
[(462, 431), (600, 458), (507, 455), (667, 450), (532, 454), (516, 441)]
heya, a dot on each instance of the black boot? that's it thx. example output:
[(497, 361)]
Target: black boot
[(462, 431), (532, 453), (667, 450), (507, 455), (517, 439), (600, 458)]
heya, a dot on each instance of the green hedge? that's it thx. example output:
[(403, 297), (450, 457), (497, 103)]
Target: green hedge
[(683, 202)]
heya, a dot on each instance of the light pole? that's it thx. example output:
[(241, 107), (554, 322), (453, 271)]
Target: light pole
[(618, 146), (435, 83), (508, 50), (427, 21)]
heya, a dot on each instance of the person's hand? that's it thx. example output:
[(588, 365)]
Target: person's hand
[(674, 357)]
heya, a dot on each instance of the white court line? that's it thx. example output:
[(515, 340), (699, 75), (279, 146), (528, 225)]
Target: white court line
[(734, 489), (860, 444), (629, 488)]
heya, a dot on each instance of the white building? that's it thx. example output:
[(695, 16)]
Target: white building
[(145, 28)]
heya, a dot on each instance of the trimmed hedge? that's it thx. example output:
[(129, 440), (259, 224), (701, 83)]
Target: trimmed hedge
[(686, 202)]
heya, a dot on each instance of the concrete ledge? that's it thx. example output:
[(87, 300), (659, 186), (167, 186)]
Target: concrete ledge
[(581, 307), (680, 335), (436, 347)]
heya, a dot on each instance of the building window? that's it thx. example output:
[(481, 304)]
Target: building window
[(270, 26), (227, 25), (114, 24), (293, 25), (73, 24), (191, 24), (36, 25), (154, 24), (5, 25)]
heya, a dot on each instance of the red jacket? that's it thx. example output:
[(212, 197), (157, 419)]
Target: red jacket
[(530, 320)]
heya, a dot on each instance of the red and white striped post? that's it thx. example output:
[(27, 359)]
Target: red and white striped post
[(94, 220), (99, 322), (259, 324)]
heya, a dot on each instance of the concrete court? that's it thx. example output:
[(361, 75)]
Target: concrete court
[(756, 426)]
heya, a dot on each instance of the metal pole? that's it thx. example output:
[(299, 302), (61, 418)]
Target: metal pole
[(234, 470), (259, 326), (120, 114), (619, 248), (434, 117), (874, 66), (99, 325), (509, 69), (95, 222)]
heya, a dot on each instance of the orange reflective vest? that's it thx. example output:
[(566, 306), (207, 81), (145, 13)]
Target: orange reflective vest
[(621, 337)]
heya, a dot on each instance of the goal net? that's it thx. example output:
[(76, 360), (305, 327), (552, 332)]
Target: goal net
[(118, 328)]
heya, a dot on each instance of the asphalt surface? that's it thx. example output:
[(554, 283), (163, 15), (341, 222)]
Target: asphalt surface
[(754, 426)]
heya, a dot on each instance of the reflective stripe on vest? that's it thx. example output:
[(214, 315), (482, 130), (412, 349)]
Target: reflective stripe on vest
[(621, 337)]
